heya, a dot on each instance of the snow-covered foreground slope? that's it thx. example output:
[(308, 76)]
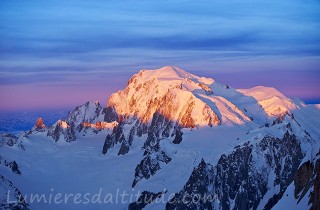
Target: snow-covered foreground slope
[(166, 141)]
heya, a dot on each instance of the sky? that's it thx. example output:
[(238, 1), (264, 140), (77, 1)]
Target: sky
[(60, 54)]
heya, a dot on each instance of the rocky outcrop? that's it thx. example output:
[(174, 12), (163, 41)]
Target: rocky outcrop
[(241, 179), (178, 136), (8, 190), (39, 124), (197, 193), (8, 139), (149, 165), (315, 194), (145, 198), (116, 137), (159, 128), (96, 127), (108, 143), (307, 179), (206, 88), (61, 131), (10, 164), (110, 114)]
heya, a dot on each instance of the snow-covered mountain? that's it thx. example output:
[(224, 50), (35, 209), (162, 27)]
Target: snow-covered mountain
[(169, 91), (172, 140)]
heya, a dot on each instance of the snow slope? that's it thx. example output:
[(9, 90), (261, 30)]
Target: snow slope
[(272, 101)]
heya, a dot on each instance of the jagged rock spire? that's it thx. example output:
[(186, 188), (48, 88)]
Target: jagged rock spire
[(40, 123)]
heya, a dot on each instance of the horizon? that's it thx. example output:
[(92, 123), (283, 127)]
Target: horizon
[(58, 56)]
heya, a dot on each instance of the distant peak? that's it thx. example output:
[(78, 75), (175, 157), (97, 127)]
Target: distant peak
[(40, 123)]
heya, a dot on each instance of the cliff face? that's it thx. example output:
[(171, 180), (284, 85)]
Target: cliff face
[(307, 182), (242, 179), (153, 156)]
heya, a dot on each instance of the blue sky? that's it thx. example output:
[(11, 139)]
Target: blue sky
[(62, 53)]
